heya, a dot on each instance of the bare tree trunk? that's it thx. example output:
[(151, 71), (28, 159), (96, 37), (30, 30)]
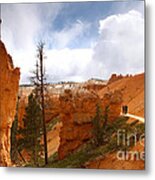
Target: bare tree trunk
[(43, 103)]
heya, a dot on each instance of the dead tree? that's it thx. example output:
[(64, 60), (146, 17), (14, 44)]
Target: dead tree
[(38, 80)]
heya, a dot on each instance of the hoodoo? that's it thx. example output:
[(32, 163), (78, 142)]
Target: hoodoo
[(9, 83)]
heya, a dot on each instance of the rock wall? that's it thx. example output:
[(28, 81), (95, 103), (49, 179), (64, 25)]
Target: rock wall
[(112, 100), (9, 82), (76, 113), (77, 110)]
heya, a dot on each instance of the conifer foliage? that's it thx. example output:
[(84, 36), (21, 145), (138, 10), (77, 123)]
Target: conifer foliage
[(100, 125), (32, 131), (14, 132)]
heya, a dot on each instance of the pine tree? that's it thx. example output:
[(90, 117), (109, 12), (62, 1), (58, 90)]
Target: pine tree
[(39, 82), (32, 131), (14, 154), (99, 125), (14, 132)]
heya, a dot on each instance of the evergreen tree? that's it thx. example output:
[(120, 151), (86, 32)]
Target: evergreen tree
[(100, 124), (32, 131), (14, 132), (14, 154), (39, 81)]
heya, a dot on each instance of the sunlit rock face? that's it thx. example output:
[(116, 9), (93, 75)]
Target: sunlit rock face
[(77, 110), (9, 83)]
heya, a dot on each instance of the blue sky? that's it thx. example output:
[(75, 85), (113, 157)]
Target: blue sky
[(92, 11), (83, 40), (89, 12)]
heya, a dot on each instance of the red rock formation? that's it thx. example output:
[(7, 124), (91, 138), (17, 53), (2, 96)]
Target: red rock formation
[(53, 139), (114, 77), (9, 80), (76, 113), (112, 100)]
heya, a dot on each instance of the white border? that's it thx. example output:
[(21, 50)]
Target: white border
[(72, 174)]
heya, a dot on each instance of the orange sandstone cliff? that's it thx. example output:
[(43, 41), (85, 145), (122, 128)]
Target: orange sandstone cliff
[(77, 110), (9, 82)]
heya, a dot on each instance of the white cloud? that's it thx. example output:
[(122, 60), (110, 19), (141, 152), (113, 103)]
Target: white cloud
[(68, 64), (24, 24), (120, 47), (61, 64), (63, 38)]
